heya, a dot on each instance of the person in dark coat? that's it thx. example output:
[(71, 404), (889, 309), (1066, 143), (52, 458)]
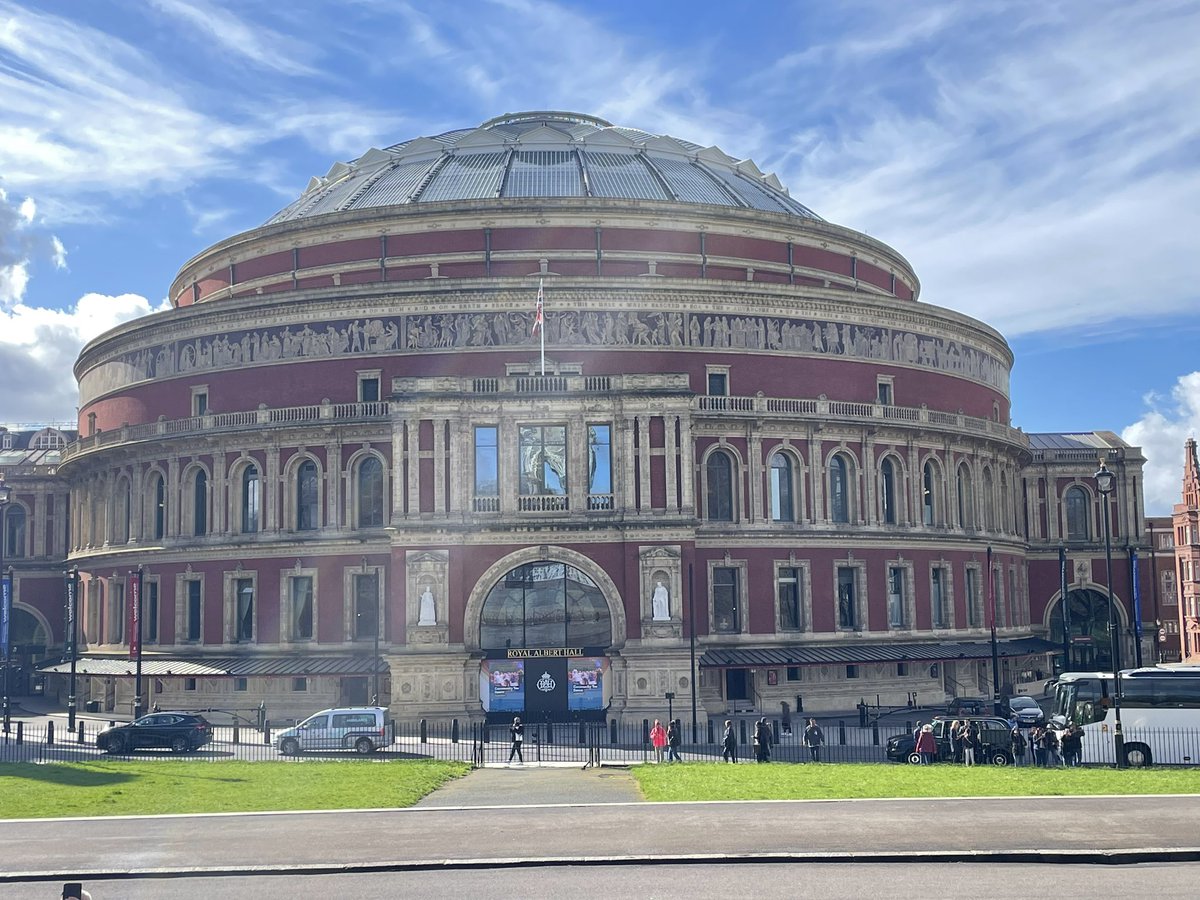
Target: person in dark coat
[(674, 739), (762, 741), (729, 743), (517, 732), (1018, 747), (1072, 746), (814, 737)]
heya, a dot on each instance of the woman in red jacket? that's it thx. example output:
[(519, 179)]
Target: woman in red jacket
[(658, 737), (926, 745)]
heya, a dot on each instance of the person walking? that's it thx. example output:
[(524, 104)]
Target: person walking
[(970, 741), (814, 737), (926, 746), (674, 739), (729, 743), (516, 732), (658, 737), (762, 741)]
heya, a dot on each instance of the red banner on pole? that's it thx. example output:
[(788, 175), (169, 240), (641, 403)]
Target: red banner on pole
[(135, 616)]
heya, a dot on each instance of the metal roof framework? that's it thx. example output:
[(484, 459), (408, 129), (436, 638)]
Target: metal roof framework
[(223, 666), (854, 654)]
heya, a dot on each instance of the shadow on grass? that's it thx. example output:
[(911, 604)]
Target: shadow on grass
[(70, 775)]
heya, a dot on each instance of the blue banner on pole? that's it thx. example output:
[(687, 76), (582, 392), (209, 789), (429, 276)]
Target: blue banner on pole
[(1137, 595), (5, 613)]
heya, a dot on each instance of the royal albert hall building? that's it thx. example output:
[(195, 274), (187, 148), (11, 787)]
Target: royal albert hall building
[(346, 466)]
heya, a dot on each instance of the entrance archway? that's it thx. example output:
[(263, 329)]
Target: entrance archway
[(1090, 644), (29, 635)]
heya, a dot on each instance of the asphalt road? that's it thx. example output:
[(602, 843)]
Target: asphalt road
[(983, 881)]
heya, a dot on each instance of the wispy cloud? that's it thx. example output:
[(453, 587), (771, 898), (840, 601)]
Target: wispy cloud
[(1161, 432)]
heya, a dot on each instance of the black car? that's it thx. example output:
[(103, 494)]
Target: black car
[(969, 706), (994, 733), (178, 731)]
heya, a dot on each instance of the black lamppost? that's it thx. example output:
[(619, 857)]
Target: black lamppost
[(1105, 481), (6, 587), (135, 642), (72, 579)]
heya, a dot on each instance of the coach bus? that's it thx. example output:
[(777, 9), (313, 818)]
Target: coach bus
[(1160, 714)]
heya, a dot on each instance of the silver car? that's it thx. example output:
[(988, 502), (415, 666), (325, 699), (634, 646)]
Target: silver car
[(363, 729), (1026, 711)]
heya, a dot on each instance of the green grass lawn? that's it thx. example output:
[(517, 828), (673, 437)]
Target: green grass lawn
[(115, 788), (784, 781)]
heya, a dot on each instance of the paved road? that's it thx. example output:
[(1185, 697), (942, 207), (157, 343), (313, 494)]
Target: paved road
[(984, 881)]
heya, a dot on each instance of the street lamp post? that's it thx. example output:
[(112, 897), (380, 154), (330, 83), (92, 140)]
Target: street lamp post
[(5, 603), (73, 637), (1104, 484)]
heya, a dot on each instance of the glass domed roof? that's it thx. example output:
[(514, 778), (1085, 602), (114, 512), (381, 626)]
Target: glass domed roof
[(543, 154)]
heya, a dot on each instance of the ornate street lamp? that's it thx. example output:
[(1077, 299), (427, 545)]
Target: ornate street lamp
[(6, 587), (1105, 481)]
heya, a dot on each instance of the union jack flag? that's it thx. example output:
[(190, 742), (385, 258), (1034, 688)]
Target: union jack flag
[(538, 319)]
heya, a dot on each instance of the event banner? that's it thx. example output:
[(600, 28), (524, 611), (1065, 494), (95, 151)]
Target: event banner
[(505, 685), (585, 683), (5, 613)]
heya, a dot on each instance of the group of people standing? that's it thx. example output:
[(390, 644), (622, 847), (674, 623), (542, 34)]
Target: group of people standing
[(666, 739), (1049, 747)]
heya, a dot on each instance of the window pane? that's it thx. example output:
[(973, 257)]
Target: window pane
[(251, 500), (847, 615), (302, 611), (193, 611), (487, 461), (370, 493), (14, 532), (888, 492), (725, 600), (927, 495), (782, 509), (306, 496), (599, 459), (789, 600), (545, 605), (938, 599), (1077, 515), (244, 624), (160, 502), (896, 597), (839, 502), (366, 606), (720, 487), (543, 454), (200, 504), (718, 384), (369, 389)]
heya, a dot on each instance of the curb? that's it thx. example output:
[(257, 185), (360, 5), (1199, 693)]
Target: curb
[(1112, 857)]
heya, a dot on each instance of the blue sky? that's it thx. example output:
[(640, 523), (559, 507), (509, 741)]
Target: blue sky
[(1038, 162)]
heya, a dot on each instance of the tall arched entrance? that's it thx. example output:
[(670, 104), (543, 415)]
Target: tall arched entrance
[(545, 629), (29, 638), (1090, 644)]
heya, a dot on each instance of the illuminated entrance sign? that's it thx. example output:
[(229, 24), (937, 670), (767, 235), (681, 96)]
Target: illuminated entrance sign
[(544, 653)]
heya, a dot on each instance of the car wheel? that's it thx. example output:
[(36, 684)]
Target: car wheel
[(289, 747), (1138, 756), (364, 746), (999, 759), (179, 744), (914, 758), (116, 744)]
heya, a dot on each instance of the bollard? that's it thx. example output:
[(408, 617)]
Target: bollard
[(875, 734), (454, 731), (20, 732), (645, 731), (236, 735), (712, 735), (842, 732), (50, 733), (582, 733), (424, 732), (81, 737), (266, 734), (612, 731), (742, 739), (775, 732)]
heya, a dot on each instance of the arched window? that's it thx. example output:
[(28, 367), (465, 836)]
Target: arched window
[(544, 604), (251, 500), (370, 493), (1078, 520), (887, 491), (719, 471), (928, 496), (121, 499), (14, 531), (200, 503), (158, 507), (839, 490), (989, 501), (306, 496), (783, 505), (966, 511)]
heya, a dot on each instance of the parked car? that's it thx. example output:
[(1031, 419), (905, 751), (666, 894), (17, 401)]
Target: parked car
[(1026, 711), (363, 729), (995, 734), (969, 706), (178, 731)]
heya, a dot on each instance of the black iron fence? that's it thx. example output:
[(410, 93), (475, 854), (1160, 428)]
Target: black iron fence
[(584, 744)]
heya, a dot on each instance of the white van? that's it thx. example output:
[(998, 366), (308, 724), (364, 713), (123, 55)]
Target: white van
[(363, 729)]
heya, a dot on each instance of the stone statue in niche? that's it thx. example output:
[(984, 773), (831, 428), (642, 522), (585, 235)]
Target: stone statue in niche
[(428, 612), (660, 603)]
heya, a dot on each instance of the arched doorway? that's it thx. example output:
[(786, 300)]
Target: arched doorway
[(544, 629), (29, 636), (1090, 644)]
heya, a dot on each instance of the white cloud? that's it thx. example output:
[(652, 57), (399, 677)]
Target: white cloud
[(262, 46), (21, 242), (60, 252), (38, 348), (28, 209), (1161, 433)]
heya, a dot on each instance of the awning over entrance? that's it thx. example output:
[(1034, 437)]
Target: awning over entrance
[(223, 666), (852, 654)]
